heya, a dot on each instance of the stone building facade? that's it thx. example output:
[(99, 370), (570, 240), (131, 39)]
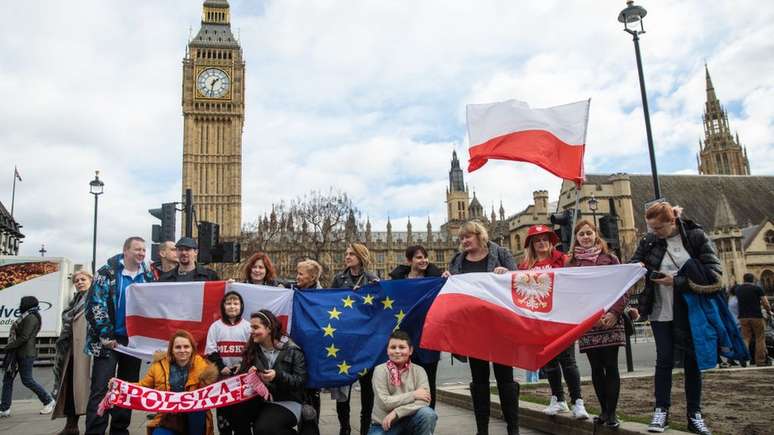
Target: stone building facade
[(213, 118), (10, 233)]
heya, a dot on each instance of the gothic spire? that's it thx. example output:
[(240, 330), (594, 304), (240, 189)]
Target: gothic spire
[(710, 89), (724, 217)]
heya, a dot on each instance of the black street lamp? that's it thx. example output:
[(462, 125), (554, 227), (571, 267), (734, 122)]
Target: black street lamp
[(631, 16), (96, 187), (593, 205)]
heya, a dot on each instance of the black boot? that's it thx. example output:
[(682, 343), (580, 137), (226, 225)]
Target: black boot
[(509, 403), (480, 395), (342, 411)]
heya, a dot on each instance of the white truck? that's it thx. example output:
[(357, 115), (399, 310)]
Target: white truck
[(48, 279)]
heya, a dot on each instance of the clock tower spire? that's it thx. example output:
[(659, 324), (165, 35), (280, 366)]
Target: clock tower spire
[(213, 120)]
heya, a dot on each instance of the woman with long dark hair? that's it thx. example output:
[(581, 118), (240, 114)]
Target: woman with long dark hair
[(280, 364), (601, 343), (419, 266)]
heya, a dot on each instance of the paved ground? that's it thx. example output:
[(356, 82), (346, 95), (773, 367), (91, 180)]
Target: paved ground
[(25, 420)]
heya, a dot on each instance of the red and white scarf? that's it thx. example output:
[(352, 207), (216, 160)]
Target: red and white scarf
[(590, 254), (395, 372), (223, 393)]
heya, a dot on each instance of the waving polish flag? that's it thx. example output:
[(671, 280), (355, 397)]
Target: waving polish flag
[(553, 138), (525, 318), (154, 311)]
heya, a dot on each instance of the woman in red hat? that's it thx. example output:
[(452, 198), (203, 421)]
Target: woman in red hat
[(540, 254), (601, 343)]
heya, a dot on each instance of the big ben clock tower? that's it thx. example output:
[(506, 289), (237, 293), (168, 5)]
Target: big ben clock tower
[(213, 117)]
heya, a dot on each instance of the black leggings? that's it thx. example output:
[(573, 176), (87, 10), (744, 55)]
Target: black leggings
[(479, 372), (564, 363), (605, 377), (267, 418)]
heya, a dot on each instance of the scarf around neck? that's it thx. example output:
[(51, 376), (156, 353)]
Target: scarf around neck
[(590, 254), (395, 372)]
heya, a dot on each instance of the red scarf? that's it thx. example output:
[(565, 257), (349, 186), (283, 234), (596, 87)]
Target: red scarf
[(395, 372), (590, 254)]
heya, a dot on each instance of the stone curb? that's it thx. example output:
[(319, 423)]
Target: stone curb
[(531, 416)]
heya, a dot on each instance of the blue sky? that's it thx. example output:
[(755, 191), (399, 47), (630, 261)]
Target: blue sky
[(365, 96)]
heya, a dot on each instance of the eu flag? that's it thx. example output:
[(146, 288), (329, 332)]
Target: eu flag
[(343, 333)]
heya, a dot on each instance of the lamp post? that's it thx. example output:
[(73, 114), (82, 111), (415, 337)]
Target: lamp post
[(630, 17), (42, 250), (593, 204), (96, 187)]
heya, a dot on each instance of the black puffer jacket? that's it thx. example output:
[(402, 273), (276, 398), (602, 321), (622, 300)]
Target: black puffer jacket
[(343, 279), (651, 252), (498, 257), (290, 367), (402, 271)]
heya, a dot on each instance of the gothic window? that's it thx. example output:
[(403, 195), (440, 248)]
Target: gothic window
[(719, 163), (769, 237), (380, 257), (767, 282), (726, 168), (517, 240), (440, 257)]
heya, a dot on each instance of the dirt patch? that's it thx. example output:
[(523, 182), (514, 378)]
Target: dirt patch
[(733, 401)]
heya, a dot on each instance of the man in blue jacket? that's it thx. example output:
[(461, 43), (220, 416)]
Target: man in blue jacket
[(106, 317)]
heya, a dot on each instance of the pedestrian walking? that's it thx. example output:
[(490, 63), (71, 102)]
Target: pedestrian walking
[(106, 329), (541, 254), (20, 353), (751, 300), (601, 342), (479, 254), (72, 365)]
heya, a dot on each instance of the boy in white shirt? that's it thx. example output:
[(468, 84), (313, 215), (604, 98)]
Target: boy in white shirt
[(226, 340)]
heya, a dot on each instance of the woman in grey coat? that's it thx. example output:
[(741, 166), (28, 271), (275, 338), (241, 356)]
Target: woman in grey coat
[(72, 367)]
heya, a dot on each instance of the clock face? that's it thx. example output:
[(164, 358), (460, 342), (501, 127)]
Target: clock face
[(213, 83)]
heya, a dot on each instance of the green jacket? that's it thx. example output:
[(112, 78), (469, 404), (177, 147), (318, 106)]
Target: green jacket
[(23, 335)]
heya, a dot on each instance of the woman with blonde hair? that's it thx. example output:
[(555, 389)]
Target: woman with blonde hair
[(308, 273), (355, 275), (672, 243), (72, 368), (601, 343), (478, 254)]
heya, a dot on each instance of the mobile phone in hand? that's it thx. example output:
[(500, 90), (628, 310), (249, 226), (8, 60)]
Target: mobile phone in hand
[(657, 275)]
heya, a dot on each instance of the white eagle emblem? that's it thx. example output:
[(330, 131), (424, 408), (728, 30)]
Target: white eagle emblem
[(533, 290)]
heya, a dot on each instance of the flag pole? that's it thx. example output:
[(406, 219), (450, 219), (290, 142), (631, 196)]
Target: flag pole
[(578, 185), (13, 191)]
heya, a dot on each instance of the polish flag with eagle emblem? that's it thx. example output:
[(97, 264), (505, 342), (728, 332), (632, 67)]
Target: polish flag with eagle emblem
[(523, 318), (154, 311)]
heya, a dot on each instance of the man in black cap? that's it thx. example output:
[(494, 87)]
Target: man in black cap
[(187, 268)]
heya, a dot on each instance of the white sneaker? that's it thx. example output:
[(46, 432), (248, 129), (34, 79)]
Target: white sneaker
[(579, 411), (6, 413), (556, 407), (49, 407)]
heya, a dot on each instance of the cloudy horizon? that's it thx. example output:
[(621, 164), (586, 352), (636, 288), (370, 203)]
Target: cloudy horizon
[(365, 96)]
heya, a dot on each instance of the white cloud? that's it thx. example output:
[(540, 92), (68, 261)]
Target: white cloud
[(366, 96)]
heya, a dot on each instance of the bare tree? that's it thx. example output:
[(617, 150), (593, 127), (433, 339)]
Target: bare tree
[(311, 226)]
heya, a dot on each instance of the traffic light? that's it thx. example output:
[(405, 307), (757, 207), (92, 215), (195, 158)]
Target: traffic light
[(608, 228), (564, 221), (209, 237), (164, 232)]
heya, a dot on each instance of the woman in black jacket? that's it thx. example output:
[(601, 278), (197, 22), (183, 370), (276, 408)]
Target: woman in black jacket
[(20, 353), (357, 260), (280, 364), (420, 267), (672, 242), (478, 254)]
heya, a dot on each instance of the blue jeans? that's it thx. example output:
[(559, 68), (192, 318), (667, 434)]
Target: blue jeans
[(25, 371), (665, 360), (196, 425), (421, 423)]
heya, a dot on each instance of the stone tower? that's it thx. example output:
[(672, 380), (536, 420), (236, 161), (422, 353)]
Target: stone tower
[(721, 153), (213, 117), (728, 240), (457, 197)]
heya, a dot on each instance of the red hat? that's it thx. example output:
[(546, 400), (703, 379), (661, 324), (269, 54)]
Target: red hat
[(534, 230)]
